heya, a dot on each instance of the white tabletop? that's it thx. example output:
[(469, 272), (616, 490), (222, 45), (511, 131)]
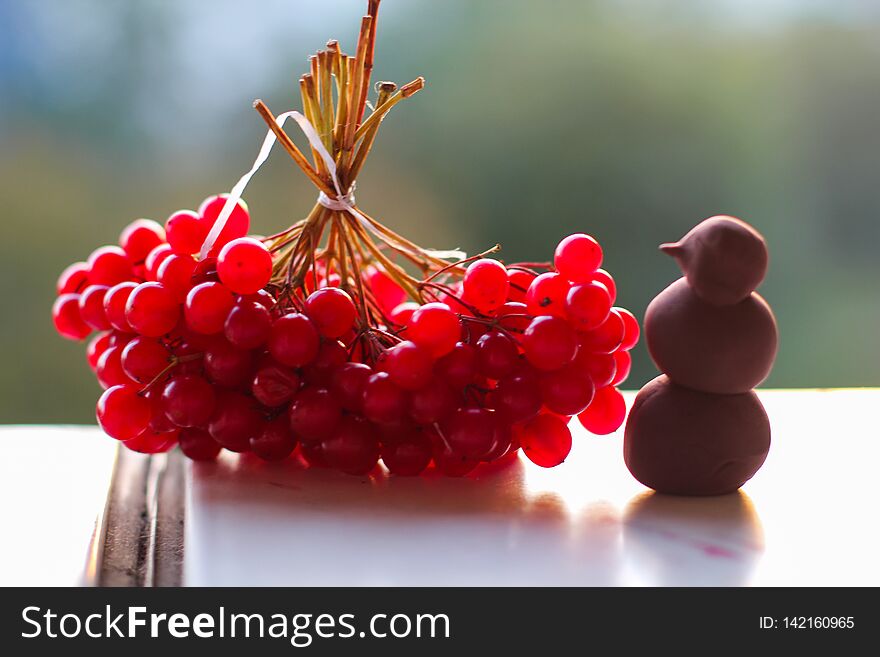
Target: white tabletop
[(53, 485), (809, 517)]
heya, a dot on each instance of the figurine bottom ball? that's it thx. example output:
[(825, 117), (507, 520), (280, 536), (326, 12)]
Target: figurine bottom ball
[(685, 442)]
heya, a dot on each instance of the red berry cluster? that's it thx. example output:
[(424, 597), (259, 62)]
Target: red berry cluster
[(216, 354)]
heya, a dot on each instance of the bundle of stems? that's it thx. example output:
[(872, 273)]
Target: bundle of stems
[(334, 96)]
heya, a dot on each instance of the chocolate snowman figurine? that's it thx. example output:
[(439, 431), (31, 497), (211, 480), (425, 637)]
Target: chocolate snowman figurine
[(699, 428)]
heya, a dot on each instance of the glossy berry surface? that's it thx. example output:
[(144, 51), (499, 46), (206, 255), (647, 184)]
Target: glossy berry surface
[(549, 343), (207, 306), (332, 311), (545, 440), (186, 232), (123, 413), (152, 310), (244, 265), (294, 340), (577, 257), (435, 327), (485, 284), (67, 319), (606, 414)]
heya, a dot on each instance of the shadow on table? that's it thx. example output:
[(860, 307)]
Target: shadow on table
[(692, 541)]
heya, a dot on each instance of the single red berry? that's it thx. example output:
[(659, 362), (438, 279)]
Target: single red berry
[(517, 397), (514, 316), (546, 295), (602, 368), (332, 355), (519, 281), (229, 366), (67, 319), (236, 420), (186, 232), (244, 265), (294, 340), (605, 338), (485, 284), (588, 305), (198, 445), (459, 366), (435, 327), (408, 457), (545, 440), (159, 422), (91, 307), (567, 391), (502, 439), (123, 413), (143, 359), (153, 442), (140, 237), (332, 311), (188, 401), (152, 310), (109, 265), (623, 361), (549, 343), (274, 385), (353, 447), (115, 301), (432, 403), (606, 412), (237, 224), (453, 464), (630, 329), (409, 365), (385, 289), (73, 279), (384, 402), (261, 297), (248, 324), (175, 273), (109, 370), (348, 384), (205, 272), (402, 314), (275, 442), (207, 306), (470, 432), (603, 277), (96, 348), (497, 355), (577, 257), (314, 413)]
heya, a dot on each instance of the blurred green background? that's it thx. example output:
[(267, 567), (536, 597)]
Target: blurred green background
[(630, 119)]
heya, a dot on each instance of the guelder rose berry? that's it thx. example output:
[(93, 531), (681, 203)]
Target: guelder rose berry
[(486, 284), (577, 257), (237, 224), (435, 327), (332, 311), (152, 310), (186, 233), (294, 340), (123, 413), (67, 318), (207, 306), (244, 265), (140, 237)]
